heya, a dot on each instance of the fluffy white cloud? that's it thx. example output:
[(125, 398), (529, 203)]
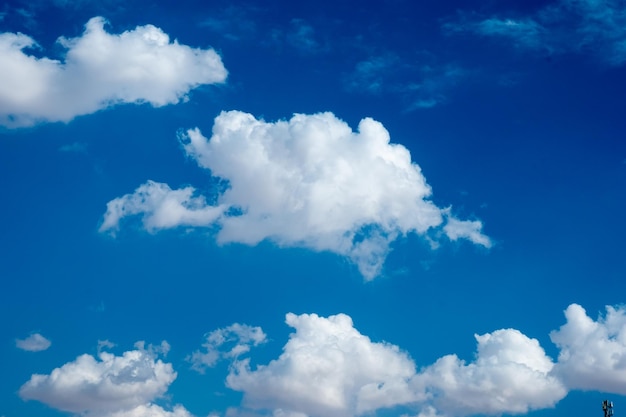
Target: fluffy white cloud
[(149, 410), (308, 182), (327, 368), (99, 70), (33, 343), (592, 353), (511, 374), (161, 207), (229, 342), (108, 385)]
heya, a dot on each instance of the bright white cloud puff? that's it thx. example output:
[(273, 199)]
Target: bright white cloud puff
[(327, 368), (99, 70), (108, 385), (33, 343), (307, 182), (592, 353), (511, 374)]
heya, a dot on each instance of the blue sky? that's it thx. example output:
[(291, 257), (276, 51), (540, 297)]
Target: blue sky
[(297, 209)]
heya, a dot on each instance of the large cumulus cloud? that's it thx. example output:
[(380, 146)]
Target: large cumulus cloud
[(99, 70), (327, 368), (511, 374), (108, 385), (592, 352), (309, 182)]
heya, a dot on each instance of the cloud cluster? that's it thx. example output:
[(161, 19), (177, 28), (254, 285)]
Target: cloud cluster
[(564, 26), (328, 368), (229, 342), (307, 182), (99, 70), (33, 343), (123, 386)]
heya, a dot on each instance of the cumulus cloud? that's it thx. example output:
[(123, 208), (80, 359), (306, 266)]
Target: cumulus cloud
[(592, 352), (229, 342), (33, 343), (107, 385), (563, 26), (307, 182), (327, 368), (99, 70), (511, 374)]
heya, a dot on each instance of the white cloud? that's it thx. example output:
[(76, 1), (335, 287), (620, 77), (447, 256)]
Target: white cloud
[(308, 182), (99, 70), (33, 343), (162, 208), (229, 342), (149, 410), (511, 374), (107, 385), (327, 368), (466, 229), (592, 353)]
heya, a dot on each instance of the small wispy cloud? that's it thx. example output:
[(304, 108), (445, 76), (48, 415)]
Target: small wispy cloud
[(228, 342), (371, 75), (422, 84), (75, 147), (234, 22), (33, 343), (595, 26), (300, 35)]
